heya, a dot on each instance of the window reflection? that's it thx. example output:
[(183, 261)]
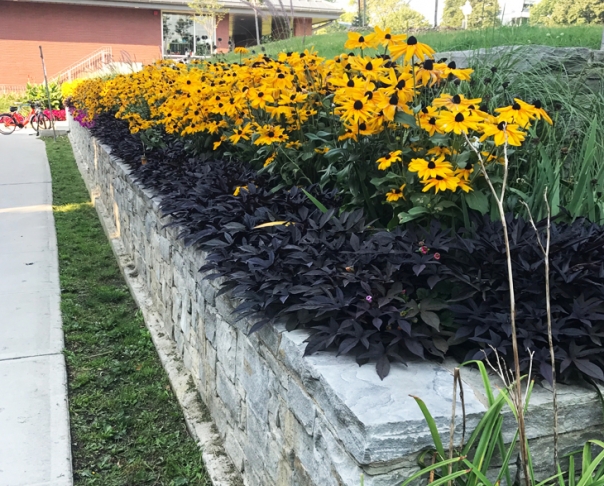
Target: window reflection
[(186, 35)]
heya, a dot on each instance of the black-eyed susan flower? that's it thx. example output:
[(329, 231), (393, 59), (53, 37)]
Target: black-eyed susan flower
[(270, 134), (456, 102), (458, 123), (461, 74), (441, 183), (536, 108), (387, 160), (521, 114), (242, 132), (386, 38), (503, 133), (358, 41), (411, 48), (355, 110), (396, 194), (427, 169), (240, 50)]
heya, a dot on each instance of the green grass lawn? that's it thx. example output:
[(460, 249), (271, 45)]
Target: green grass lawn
[(127, 428), (329, 45)]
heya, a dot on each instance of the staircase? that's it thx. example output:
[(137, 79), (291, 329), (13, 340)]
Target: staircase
[(93, 62)]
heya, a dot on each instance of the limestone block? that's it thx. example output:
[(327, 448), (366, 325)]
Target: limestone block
[(301, 405), (228, 393), (254, 377), (226, 346)]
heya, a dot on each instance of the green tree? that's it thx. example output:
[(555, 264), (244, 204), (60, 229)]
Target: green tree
[(485, 13), (565, 12), (396, 14)]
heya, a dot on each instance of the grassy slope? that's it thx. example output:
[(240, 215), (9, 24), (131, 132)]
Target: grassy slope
[(329, 45), (127, 427)]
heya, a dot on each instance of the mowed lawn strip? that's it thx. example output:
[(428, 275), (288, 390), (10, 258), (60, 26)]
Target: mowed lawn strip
[(126, 425)]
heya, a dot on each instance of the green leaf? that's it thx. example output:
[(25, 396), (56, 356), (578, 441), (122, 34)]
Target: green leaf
[(315, 201), (406, 118), (478, 201)]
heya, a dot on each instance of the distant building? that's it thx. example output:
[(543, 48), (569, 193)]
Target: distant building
[(516, 12), (77, 35)]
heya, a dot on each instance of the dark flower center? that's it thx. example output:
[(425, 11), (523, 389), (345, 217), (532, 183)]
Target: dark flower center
[(537, 104), (350, 83), (516, 106), (501, 126), (188, 81), (456, 99), (429, 65), (432, 121), (394, 100), (239, 132), (452, 65), (431, 165), (400, 84), (362, 126), (425, 110), (361, 39), (387, 37), (271, 134), (439, 178), (358, 105), (261, 94), (412, 41), (459, 118), (369, 95), (281, 75), (369, 66), (218, 97)]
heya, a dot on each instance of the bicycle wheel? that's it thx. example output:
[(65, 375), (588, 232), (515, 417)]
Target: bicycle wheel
[(7, 124), (40, 122)]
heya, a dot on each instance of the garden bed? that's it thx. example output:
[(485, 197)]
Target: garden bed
[(286, 418)]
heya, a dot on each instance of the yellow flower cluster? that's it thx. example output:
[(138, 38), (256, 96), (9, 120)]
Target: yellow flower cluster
[(274, 106)]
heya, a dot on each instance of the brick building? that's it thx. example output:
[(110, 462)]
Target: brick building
[(76, 33)]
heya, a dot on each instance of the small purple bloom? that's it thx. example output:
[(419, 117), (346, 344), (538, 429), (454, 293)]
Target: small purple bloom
[(369, 298)]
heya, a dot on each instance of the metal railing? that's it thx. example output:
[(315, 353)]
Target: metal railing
[(93, 62), (12, 88)]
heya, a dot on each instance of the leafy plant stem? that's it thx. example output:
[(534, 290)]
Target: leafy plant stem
[(499, 199)]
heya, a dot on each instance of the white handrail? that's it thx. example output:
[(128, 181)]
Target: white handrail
[(93, 62)]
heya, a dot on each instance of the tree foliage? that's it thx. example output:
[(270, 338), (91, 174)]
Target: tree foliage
[(485, 13), (564, 12), (397, 15)]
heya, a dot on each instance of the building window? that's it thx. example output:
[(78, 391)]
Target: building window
[(187, 36)]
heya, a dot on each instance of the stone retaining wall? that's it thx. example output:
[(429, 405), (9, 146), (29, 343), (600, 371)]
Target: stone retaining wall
[(287, 419)]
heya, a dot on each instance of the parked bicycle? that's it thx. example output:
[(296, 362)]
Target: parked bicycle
[(36, 118)]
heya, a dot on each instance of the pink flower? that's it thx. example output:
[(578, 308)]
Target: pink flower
[(424, 249), (437, 256)]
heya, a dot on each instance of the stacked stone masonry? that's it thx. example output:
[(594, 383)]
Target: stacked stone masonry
[(286, 419)]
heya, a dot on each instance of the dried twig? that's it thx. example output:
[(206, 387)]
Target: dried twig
[(499, 199), (545, 251)]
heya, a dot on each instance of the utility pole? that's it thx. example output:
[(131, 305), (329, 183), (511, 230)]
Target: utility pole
[(436, 15), (52, 118)]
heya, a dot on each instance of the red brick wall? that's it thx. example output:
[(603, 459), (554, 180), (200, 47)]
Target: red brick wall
[(302, 27), (68, 34), (222, 32)]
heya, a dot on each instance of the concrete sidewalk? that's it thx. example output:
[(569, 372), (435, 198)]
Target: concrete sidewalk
[(35, 446)]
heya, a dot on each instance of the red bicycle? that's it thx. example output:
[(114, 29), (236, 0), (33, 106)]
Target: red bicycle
[(36, 118)]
